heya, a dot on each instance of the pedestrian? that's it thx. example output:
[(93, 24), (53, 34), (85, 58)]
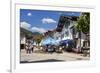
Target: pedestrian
[(27, 47), (32, 48)]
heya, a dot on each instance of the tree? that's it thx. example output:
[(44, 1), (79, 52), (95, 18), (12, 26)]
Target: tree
[(38, 38), (83, 25)]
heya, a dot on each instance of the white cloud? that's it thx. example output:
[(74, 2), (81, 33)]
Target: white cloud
[(28, 26), (36, 29), (29, 14), (25, 25), (48, 20)]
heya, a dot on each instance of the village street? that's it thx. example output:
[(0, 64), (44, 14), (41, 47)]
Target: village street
[(37, 56), (54, 40)]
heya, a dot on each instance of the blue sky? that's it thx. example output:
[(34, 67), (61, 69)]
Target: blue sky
[(41, 20)]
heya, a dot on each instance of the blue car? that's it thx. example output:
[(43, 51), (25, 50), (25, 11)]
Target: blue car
[(68, 44)]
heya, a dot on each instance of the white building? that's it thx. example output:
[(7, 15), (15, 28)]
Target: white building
[(66, 30), (24, 35)]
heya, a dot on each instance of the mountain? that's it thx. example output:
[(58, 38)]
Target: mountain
[(25, 31), (37, 33)]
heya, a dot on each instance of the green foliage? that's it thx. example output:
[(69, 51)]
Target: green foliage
[(84, 23)]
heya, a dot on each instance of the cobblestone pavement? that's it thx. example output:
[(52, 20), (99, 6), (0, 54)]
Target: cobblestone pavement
[(38, 56)]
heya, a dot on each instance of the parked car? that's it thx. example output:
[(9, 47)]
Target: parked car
[(50, 48), (68, 45)]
